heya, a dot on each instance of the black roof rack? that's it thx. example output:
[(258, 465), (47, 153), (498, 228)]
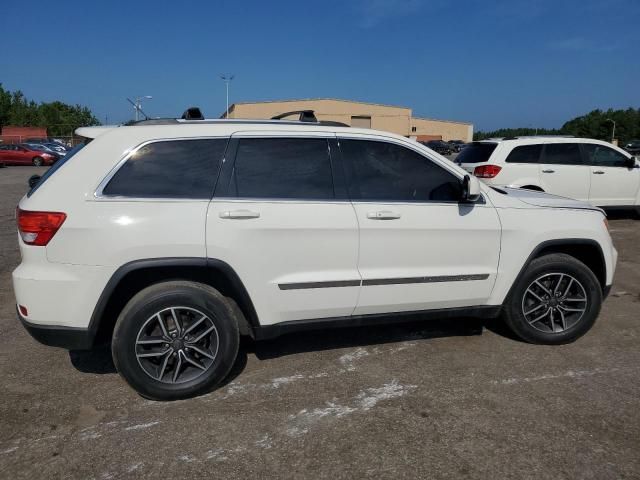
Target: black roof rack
[(303, 116), (309, 116), (194, 113)]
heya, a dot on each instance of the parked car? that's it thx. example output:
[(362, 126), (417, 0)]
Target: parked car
[(633, 147), (52, 146), (589, 170), (171, 254), (457, 145), (25, 155), (43, 148), (443, 148)]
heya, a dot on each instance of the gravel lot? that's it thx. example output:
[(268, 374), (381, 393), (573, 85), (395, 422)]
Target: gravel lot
[(433, 400)]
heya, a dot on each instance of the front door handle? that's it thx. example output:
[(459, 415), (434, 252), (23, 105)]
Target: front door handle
[(548, 171), (598, 172), (239, 214), (383, 215)]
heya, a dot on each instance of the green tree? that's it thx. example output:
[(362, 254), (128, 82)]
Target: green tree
[(60, 118)]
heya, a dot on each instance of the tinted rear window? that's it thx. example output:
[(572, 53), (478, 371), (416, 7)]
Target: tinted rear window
[(297, 168), (476, 153), (170, 169), (525, 154), (561, 154)]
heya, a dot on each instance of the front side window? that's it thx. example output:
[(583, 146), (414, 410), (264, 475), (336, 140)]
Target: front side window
[(561, 154), (170, 169), (524, 154), (381, 171), (602, 156), (282, 168)]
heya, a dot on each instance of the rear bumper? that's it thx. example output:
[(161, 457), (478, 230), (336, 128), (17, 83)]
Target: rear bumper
[(58, 336)]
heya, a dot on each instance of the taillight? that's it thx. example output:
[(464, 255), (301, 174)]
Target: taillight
[(38, 228), (487, 171)]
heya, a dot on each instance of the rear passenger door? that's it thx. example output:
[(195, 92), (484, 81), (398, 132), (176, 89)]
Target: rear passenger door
[(563, 172), (613, 183), (281, 218), (420, 248)]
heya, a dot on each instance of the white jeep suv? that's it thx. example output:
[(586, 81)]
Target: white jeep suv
[(171, 238), (589, 170)]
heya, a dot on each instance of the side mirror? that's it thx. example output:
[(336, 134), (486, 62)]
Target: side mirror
[(33, 180), (631, 162), (470, 189)]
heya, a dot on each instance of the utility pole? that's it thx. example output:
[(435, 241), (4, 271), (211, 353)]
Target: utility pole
[(137, 105), (227, 77), (613, 131)]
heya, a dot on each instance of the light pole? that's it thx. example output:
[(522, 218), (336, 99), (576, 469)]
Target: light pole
[(138, 104), (227, 77), (613, 131)]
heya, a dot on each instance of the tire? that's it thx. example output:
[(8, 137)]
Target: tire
[(559, 274), (149, 318), (38, 161)]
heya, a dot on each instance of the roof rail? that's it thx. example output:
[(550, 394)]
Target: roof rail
[(309, 116), (537, 136), (303, 116), (194, 114)]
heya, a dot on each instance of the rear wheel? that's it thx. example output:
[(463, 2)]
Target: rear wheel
[(38, 161), (175, 340), (556, 301)]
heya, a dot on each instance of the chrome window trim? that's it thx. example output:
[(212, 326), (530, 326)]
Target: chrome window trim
[(99, 194)]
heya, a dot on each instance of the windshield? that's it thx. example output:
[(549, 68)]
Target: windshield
[(55, 167), (476, 153)]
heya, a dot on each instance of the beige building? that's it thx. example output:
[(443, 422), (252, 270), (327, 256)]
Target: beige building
[(398, 120)]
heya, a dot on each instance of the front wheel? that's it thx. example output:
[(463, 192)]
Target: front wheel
[(37, 162), (555, 301), (175, 340)]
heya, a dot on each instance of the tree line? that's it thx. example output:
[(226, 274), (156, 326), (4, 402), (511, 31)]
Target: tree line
[(60, 118), (595, 124)]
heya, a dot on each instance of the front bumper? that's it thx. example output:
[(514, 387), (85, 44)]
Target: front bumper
[(70, 338)]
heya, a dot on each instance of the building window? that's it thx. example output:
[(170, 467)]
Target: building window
[(413, 129), (360, 121)]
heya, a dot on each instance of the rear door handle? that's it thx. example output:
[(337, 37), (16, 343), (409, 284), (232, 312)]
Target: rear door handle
[(239, 214), (383, 215), (548, 171), (598, 172)]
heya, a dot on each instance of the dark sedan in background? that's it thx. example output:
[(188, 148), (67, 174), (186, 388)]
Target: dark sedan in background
[(443, 148)]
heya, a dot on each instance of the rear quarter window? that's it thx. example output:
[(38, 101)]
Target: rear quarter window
[(476, 153), (525, 154), (170, 169)]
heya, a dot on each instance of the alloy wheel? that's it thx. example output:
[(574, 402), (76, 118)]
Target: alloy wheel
[(177, 344), (554, 302)]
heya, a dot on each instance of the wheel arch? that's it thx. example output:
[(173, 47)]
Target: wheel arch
[(132, 277), (588, 251)]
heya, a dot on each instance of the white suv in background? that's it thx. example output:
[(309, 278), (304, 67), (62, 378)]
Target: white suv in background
[(171, 238), (589, 170)]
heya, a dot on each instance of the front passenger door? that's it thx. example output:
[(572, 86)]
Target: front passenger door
[(420, 248), (613, 183), (563, 172)]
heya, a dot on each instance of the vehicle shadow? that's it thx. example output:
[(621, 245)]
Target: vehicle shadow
[(97, 360), (100, 361), (621, 214), (335, 338)]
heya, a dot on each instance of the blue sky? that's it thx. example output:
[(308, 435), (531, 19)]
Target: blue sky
[(497, 63)]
